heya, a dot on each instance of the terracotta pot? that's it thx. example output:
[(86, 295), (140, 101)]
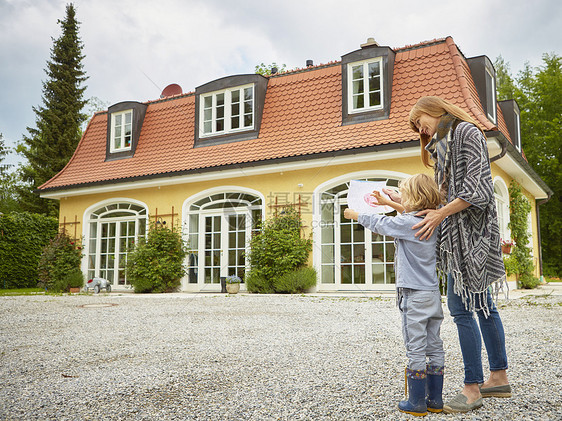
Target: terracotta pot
[(506, 249), (74, 290), (232, 288)]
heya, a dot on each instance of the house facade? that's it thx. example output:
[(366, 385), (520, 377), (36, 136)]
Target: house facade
[(215, 161)]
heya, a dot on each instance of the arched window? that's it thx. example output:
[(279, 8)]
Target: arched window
[(349, 256), (501, 195), (112, 231), (218, 228)]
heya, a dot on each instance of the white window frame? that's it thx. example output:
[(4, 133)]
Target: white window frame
[(365, 64), (227, 115), (492, 110), (501, 195), (117, 143), (517, 130)]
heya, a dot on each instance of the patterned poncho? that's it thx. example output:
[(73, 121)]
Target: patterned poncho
[(468, 247)]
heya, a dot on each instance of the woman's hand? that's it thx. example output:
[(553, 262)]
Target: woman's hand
[(434, 217), (429, 224), (350, 214)]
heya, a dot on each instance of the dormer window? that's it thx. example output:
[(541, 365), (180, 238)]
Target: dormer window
[(227, 111), (124, 125), (365, 90), (484, 77), (367, 83), (512, 116), (121, 131)]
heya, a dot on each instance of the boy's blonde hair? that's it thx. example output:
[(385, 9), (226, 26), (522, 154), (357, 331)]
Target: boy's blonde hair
[(420, 192)]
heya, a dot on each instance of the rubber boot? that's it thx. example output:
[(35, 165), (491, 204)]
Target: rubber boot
[(434, 396), (415, 405)]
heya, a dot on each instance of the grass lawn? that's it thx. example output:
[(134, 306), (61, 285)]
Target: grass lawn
[(22, 291)]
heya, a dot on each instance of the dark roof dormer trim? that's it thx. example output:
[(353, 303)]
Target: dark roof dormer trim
[(139, 111), (368, 52), (512, 117), (260, 88), (480, 67)]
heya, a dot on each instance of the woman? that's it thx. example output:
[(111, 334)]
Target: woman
[(468, 244)]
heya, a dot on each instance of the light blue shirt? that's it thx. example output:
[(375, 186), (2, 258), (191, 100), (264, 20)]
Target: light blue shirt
[(414, 260)]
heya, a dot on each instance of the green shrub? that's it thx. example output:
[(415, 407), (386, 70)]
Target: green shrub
[(529, 282), (22, 239), (74, 279), (256, 282), (520, 262), (60, 258), (156, 263), (296, 281), (277, 249)]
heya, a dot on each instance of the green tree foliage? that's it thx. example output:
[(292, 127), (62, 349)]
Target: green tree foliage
[(8, 200), (156, 263), (276, 250), (59, 264), (538, 92), (50, 145), (22, 239), (265, 69)]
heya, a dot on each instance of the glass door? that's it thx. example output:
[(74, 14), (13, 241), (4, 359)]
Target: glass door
[(223, 241)]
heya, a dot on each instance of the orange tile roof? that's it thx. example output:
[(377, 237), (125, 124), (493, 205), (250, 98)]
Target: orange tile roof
[(301, 117)]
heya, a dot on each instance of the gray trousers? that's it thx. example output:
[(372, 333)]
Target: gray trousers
[(422, 315)]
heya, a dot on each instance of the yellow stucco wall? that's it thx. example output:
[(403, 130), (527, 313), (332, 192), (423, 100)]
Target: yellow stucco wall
[(283, 184)]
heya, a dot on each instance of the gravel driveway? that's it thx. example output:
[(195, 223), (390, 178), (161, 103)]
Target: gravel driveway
[(247, 357)]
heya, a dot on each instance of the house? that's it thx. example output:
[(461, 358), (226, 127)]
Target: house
[(238, 149)]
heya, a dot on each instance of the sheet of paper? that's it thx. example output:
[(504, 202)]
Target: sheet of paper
[(359, 197)]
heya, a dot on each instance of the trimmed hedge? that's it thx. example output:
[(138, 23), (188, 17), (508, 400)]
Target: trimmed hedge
[(23, 236)]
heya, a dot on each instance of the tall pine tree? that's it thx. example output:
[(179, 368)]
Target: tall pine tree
[(50, 145)]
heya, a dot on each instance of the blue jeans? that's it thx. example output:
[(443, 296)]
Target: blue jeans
[(469, 336)]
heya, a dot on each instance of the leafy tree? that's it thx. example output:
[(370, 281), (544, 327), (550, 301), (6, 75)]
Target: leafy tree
[(538, 92), (50, 145), (8, 183), (266, 69)]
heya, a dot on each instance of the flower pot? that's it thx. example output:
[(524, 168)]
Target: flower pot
[(506, 249), (232, 288), (74, 290)]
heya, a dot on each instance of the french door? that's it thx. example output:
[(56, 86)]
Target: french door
[(223, 240)]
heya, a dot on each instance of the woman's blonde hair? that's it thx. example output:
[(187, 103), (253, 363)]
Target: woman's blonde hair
[(420, 192), (435, 107)]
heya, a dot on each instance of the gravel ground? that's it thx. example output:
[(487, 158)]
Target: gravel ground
[(247, 357)]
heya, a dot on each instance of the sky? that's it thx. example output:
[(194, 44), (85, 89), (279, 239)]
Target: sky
[(135, 48)]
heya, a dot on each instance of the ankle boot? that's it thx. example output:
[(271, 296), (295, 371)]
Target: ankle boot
[(415, 405), (434, 397)]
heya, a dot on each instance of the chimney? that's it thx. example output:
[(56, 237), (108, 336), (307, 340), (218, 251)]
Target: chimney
[(370, 43), (309, 63), (274, 70)]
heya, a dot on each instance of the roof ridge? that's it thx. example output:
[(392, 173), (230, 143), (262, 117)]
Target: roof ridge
[(422, 44)]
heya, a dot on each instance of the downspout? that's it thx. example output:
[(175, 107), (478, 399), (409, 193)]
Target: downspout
[(503, 144)]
